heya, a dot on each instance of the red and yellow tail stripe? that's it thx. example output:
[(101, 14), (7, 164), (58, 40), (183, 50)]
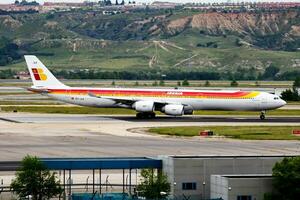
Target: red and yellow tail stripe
[(38, 74)]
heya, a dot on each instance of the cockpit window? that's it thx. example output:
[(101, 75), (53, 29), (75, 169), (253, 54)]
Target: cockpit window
[(276, 98)]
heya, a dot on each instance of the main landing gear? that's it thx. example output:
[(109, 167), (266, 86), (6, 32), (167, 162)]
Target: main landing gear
[(262, 115), (145, 115)]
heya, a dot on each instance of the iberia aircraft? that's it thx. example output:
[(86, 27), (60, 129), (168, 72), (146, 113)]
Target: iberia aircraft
[(173, 102)]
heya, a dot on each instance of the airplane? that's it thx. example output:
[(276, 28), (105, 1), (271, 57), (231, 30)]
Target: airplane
[(174, 102)]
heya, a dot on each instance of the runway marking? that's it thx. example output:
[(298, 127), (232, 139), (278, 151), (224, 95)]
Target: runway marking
[(160, 119), (57, 119), (9, 120)]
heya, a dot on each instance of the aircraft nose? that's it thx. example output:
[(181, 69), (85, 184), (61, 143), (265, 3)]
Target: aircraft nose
[(282, 102)]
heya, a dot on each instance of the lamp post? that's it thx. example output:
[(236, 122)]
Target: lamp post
[(229, 189), (174, 185), (203, 184)]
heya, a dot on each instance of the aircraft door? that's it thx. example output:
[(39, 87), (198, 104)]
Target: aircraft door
[(263, 103), (256, 103)]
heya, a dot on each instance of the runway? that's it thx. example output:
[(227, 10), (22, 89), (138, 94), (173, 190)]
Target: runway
[(37, 118), (60, 135)]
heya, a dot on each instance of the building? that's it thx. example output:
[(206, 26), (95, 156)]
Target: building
[(20, 8), (22, 75), (164, 5), (240, 187), (190, 176), (61, 6)]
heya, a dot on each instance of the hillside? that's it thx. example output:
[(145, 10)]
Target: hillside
[(158, 41), (255, 28), (267, 30)]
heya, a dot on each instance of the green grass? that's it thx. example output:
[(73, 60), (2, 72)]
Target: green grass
[(133, 55), (32, 102), (148, 83), (90, 110), (15, 93), (236, 132), (293, 102), (68, 110), (233, 113)]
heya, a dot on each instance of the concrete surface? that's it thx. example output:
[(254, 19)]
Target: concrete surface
[(60, 135)]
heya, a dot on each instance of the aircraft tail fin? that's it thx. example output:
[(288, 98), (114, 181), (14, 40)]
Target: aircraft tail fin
[(41, 77)]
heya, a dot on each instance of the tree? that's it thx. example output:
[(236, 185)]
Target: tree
[(9, 51), (33, 179), (26, 3), (296, 83), (257, 84), (136, 83), (123, 2), (155, 83), (107, 2), (185, 82), (5, 74), (113, 83), (270, 72), (117, 3), (178, 83), (286, 180), (161, 83), (290, 95), (153, 186), (234, 83), (207, 84), (238, 42)]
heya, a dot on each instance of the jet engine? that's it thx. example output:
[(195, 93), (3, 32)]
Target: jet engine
[(188, 110), (173, 109), (144, 106)]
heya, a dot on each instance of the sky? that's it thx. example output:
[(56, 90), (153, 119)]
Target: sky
[(178, 1)]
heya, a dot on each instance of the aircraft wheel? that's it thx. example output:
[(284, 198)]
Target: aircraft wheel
[(152, 115), (139, 115), (145, 115)]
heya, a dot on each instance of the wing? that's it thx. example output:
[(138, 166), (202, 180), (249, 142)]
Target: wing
[(129, 100)]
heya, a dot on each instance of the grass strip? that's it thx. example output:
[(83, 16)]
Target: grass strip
[(68, 110), (236, 132)]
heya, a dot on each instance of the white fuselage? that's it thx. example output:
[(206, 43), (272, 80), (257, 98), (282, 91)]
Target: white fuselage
[(254, 101), (173, 102)]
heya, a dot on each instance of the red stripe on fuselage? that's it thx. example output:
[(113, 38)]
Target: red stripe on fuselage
[(148, 93)]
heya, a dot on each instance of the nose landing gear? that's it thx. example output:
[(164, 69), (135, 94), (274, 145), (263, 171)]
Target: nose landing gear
[(262, 115)]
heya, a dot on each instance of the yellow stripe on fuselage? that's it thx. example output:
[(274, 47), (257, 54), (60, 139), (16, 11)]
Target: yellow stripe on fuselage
[(250, 95)]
